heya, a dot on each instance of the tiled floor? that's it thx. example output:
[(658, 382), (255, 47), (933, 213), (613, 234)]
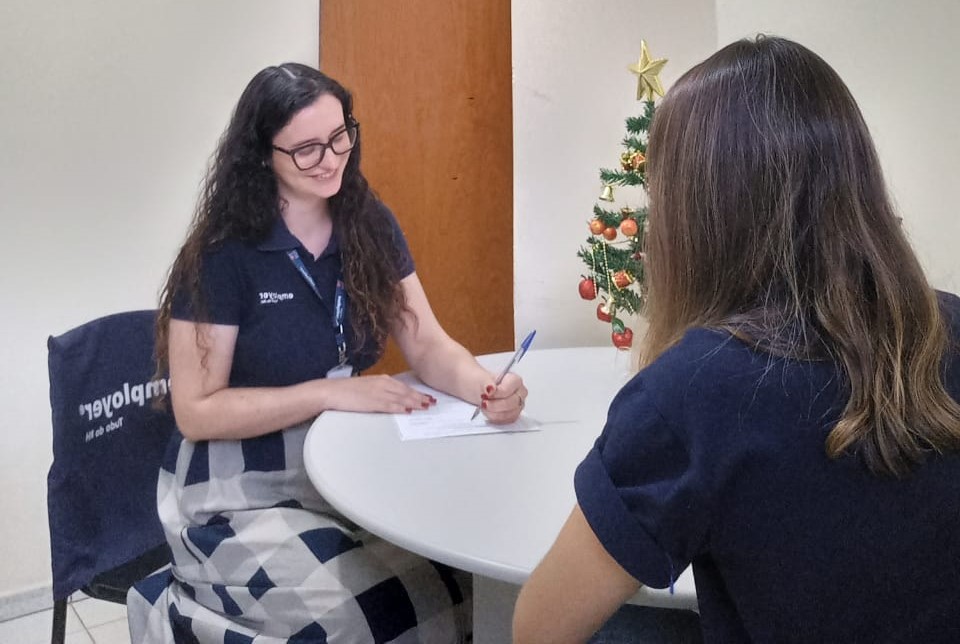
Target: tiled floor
[(89, 621)]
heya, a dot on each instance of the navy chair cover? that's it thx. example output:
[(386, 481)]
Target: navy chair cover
[(108, 442)]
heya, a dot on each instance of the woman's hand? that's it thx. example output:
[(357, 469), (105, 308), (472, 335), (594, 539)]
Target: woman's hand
[(503, 404), (376, 394)]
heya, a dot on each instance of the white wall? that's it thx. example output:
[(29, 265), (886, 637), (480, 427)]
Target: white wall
[(572, 92), (109, 110), (899, 61)]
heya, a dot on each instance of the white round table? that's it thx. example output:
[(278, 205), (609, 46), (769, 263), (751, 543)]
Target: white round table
[(489, 504)]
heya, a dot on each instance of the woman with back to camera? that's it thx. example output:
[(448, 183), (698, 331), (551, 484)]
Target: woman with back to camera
[(794, 429), (291, 278)]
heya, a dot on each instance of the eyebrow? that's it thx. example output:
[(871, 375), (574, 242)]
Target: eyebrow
[(332, 134)]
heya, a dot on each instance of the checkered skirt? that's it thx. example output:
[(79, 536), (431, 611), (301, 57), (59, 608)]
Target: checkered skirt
[(260, 557)]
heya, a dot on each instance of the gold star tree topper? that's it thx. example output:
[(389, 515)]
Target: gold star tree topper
[(648, 74)]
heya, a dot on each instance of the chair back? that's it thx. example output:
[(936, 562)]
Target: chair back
[(108, 443)]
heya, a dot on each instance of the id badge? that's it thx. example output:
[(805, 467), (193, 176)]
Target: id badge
[(341, 371)]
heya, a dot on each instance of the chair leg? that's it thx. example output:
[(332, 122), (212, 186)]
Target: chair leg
[(59, 621)]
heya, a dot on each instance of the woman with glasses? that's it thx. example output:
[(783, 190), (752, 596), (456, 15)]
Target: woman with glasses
[(292, 277), (794, 432)]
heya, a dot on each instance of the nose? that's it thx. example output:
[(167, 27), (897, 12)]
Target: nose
[(329, 162)]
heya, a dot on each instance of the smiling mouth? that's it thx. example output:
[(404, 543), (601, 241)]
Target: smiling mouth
[(323, 175)]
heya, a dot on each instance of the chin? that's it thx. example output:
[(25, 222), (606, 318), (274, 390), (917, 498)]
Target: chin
[(328, 190)]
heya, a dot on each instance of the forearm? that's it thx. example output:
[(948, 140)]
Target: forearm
[(533, 624), (573, 591), (245, 412), (447, 366)]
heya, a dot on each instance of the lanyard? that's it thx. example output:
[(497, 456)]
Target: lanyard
[(339, 303)]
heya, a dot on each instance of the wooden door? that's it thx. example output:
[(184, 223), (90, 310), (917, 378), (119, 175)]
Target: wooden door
[(432, 90)]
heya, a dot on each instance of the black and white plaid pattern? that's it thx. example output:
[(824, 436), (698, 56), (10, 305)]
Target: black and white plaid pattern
[(260, 557)]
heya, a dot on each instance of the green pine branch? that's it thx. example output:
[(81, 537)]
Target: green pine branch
[(622, 177), (633, 144), (626, 299), (641, 124)]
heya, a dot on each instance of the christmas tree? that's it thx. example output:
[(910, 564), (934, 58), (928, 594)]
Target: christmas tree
[(614, 251)]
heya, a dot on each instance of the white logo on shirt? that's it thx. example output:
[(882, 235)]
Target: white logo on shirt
[(271, 297)]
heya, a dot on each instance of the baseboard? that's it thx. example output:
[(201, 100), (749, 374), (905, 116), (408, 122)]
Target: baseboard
[(24, 602)]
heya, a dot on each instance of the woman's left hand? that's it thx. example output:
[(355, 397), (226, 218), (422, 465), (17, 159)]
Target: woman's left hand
[(503, 404)]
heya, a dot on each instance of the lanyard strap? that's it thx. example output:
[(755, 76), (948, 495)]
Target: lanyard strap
[(339, 303)]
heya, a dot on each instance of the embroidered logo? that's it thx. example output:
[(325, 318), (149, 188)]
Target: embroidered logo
[(272, 297)]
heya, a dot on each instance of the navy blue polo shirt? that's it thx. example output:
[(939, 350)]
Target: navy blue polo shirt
[(714, 455), (286, 334)]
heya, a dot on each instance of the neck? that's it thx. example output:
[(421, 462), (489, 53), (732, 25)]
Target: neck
[(308, 220)]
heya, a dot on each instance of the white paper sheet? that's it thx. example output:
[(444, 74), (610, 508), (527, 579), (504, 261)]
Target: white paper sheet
[(450, 417)]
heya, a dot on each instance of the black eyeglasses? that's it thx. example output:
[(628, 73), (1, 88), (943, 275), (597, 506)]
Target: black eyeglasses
[(310, 155)]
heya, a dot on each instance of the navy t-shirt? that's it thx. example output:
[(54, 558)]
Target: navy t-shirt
[(286, 333), (714, 455)]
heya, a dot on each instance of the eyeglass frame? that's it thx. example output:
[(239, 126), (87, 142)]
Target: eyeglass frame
[(351, 123)]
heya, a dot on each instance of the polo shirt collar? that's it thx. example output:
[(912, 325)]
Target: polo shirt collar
[(281, 239)]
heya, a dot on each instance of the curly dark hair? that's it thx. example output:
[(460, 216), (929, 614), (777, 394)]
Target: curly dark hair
[(240, 200)]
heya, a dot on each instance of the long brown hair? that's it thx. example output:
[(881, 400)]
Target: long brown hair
[(769, 218), (240, 200)]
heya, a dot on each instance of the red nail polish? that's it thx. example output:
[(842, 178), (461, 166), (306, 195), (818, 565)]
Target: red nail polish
[(409, 410), (490, 389), (484, 397), (425, 405), (484, 404)]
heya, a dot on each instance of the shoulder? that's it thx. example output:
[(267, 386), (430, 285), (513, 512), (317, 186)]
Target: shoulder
[(702, 360), (231, 265), (689, 375), (223, 261), (225, 250), (950, 309), (222, 281), (714, 387), (382, 216), (376, 209), (229, 254)]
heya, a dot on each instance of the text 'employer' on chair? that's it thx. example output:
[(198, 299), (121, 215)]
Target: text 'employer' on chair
[(108, 442)]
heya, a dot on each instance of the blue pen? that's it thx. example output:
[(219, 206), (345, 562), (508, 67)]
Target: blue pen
[(514, 360)]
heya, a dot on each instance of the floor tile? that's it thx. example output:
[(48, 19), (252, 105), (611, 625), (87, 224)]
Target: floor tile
[(34, 628), (38, 627), (113, 633), (73, 621), (80, 637), (94, 612)]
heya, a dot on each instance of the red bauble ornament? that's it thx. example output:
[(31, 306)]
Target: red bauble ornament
[(588, 290), (603, 312), (629, 227), (596, 226), (610, 233), (622, 340), (622, 279)]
